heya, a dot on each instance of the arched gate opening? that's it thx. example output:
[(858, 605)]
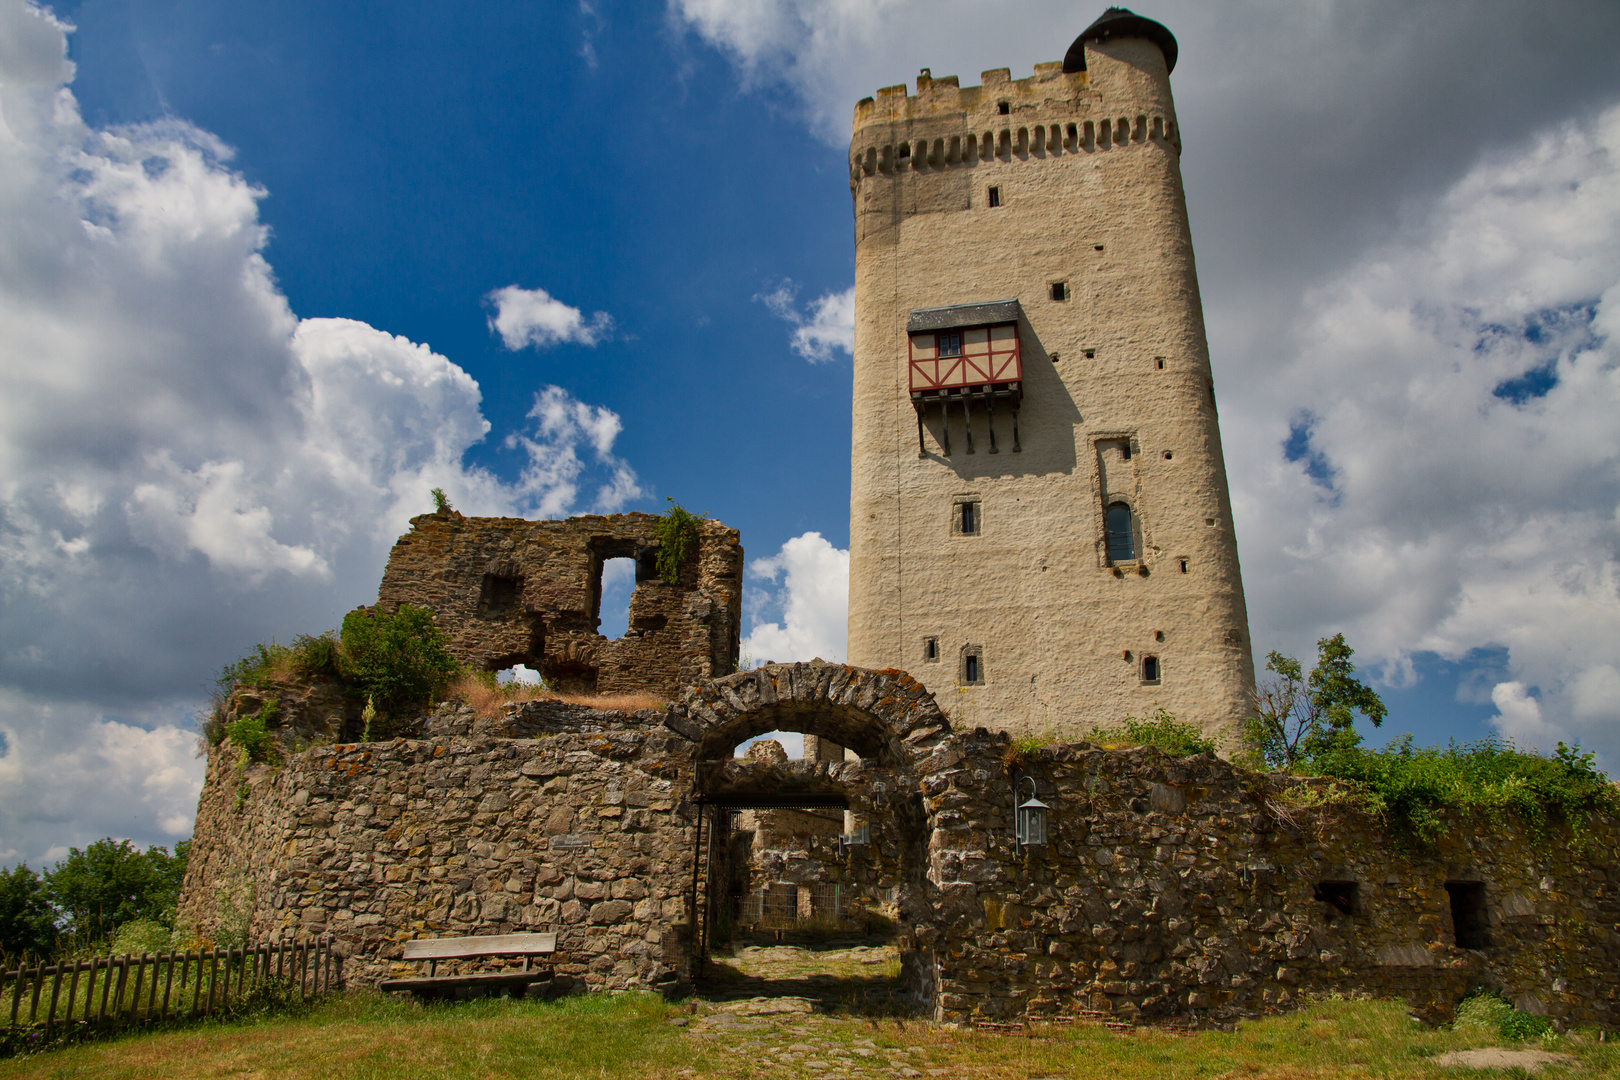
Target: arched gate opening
[(872, 873)]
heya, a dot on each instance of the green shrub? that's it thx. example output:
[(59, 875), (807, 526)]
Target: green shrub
[(1161, 730), (1411, 788), (1482, 1012), (400, 660), (1518, 1025), (441, 502), (1492, 1012), (252, 732), (315, 655), (256, 669), (677, 535)]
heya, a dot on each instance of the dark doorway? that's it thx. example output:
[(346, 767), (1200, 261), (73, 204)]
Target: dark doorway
[(1470, 925)]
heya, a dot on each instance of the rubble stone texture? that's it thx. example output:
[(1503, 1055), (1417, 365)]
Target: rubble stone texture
[(510, 591), (1118, 405), (1170, 889)]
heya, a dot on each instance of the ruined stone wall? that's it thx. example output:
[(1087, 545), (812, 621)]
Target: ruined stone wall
[(1172, 888), (1169, 889), (510, 591), (584, 833)]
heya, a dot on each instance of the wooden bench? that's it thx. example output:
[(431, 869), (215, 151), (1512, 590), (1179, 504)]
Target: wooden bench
[(433, 950)]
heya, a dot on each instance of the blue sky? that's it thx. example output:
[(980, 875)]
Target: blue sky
[(249, 263)]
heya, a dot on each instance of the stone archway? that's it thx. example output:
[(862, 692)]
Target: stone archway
[(886, 717)]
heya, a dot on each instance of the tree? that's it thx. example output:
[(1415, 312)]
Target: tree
[(27, 923), (1299, 717), (111, 882)]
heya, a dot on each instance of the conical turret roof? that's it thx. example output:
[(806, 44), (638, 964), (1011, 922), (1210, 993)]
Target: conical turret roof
[(1118, 22)]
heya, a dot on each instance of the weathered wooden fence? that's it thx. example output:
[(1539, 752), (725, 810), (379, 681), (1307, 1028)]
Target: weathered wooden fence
[(115, 990)]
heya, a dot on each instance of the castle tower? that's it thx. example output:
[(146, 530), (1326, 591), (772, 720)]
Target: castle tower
[(1040, 527)]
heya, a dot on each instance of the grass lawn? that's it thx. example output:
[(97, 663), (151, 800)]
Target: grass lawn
[(639, 1035)]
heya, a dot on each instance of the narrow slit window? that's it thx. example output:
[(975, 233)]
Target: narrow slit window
[(1183, 566), (972, 666), (930, 650), (1121, 533), (1150, 669), (950, 344), (995, 196), (1125, 450), (968, 518), (1091, 354), (1158, 361)]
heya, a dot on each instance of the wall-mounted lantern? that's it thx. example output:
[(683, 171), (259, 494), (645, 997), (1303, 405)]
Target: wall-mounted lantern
[(1030, 815), (857, 832)]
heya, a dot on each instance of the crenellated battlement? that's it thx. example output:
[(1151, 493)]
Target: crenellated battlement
[(1008, 143), (1049, 114)]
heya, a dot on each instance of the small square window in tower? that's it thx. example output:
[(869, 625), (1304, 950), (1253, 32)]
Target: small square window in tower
[(1060, 291), (994, 197), (1150, 671), (1469, 922), (966, 518), (972, 673)]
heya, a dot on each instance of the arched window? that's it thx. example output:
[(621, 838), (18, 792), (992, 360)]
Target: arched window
[(1121, 534)]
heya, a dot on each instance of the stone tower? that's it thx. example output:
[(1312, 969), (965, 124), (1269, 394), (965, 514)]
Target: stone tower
[(1040, 527)]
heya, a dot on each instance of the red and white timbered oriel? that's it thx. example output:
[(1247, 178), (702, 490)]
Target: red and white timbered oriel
[(962, 357)]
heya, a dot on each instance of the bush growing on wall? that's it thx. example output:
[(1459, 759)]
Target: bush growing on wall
[(399, 660)]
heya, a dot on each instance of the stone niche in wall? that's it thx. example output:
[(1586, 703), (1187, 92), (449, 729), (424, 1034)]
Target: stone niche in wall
[(511, 591)]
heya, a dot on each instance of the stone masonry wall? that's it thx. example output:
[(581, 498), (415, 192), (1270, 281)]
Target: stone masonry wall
[(375, 843), (1179, 890), (511, 591), (1173, 888)]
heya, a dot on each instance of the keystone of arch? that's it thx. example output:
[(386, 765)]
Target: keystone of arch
[(886, 716)]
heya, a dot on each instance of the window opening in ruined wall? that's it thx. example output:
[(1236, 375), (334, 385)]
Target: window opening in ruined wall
[(499, 594), (1344, 897), (1468, 919), (618, 582)]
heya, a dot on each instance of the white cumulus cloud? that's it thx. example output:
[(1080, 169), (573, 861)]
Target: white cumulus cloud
[(186, 467), (525, 317), (1450, 465), (808, 595), (826, 328)]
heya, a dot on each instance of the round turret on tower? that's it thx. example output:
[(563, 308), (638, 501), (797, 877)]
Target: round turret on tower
[(1118, 22)]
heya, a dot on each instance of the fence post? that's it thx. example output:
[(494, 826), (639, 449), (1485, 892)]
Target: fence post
[(196, 984), (151, 994), (73, 991), (56, 990), (16, 993), (39, 984), (168, 981), (135, 994)]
